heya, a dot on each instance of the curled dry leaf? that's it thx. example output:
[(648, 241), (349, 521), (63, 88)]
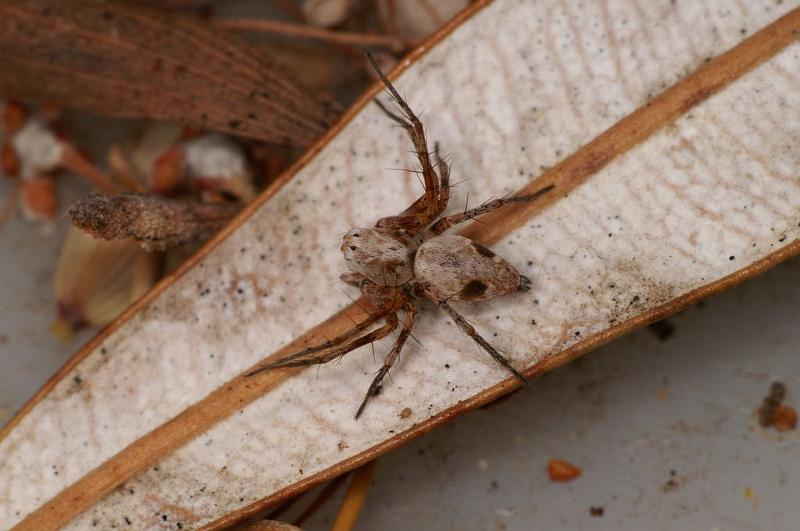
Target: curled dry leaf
[(127, 60), (96, 280), (155, 222), (652, 176)]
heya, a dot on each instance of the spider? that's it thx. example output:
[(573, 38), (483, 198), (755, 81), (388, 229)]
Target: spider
[(408, 256)]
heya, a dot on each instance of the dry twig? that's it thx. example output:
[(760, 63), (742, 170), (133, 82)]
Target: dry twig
[(299, 30)]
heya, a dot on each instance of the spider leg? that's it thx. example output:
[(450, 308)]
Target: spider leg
[(425, 209), (331, 343), (444, 180), (468, 329), (391, 358), (448, 221), (302, 359)]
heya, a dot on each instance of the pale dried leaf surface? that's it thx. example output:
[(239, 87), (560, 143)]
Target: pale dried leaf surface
[(659, 221)]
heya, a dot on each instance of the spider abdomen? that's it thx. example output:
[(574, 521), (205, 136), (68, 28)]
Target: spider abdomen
[(455, 267)]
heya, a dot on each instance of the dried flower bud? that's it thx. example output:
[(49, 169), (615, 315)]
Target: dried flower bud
[(156, 222), (39, 150), (327, 13)]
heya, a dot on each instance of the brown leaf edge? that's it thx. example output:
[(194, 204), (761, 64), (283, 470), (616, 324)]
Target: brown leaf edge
[(675, 101)]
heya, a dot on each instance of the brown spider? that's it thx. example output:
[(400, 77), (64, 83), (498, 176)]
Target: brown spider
[(408, 255)]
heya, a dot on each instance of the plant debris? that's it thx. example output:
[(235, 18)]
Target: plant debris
[(773, 413), (672, 483), (96, 280), (560, 470), (157, 223), (162, 65)]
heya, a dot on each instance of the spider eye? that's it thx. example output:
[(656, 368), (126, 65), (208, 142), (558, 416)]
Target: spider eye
[(352, 247), (355, 235)]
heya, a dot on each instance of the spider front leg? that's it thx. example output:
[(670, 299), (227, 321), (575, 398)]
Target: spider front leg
[(437, 192), (408, 323), (448, 221), (468, 329)]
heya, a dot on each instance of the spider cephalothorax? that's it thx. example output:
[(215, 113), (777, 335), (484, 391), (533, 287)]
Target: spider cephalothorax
[(408, 255)]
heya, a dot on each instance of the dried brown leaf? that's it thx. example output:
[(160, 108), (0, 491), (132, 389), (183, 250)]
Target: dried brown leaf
[(126, 60)]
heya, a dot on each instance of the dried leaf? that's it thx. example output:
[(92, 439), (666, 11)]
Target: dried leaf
[(96, 280), (128, 60), (648, 220)]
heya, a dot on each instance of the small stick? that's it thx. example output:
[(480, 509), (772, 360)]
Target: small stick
[(72, 160), (329, 490), (298, 30), (355, 498), (155, 222)]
